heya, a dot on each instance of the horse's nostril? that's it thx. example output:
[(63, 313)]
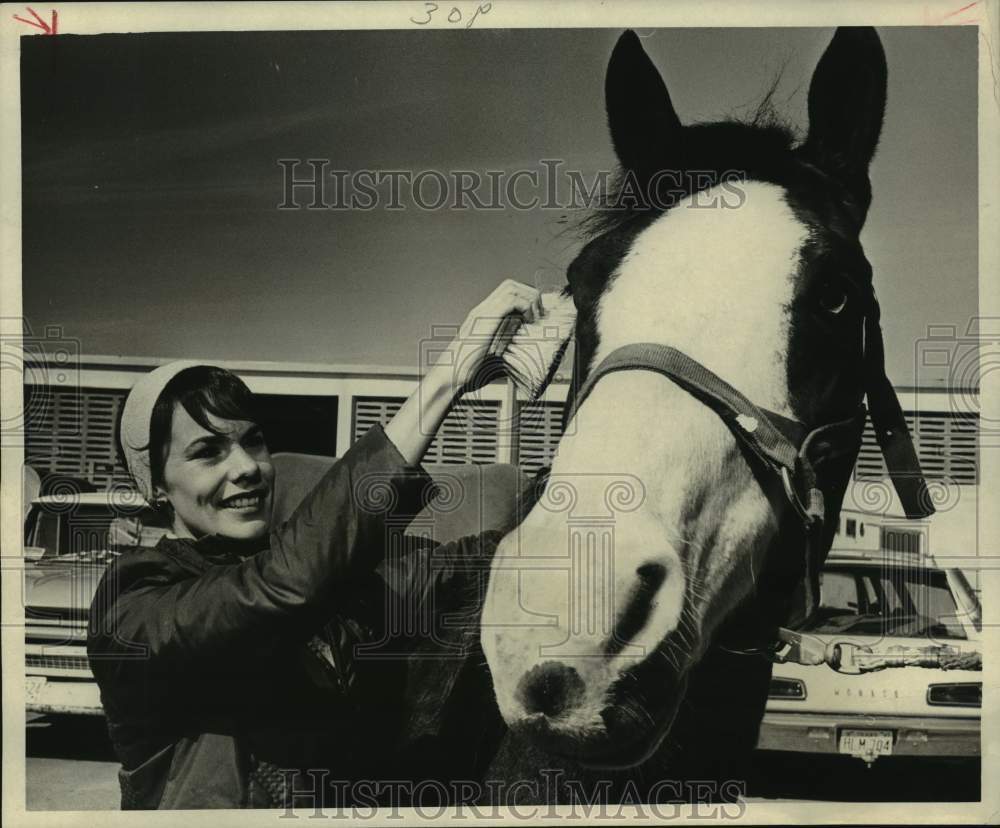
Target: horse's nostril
[(651, 575), (550, 689), (638, 607)]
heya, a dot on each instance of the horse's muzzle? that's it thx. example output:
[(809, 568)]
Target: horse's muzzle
[(639, 710), (620, 742), (551, 688)]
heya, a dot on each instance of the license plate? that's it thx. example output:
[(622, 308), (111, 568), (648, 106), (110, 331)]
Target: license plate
[(866, 744), (33, 688)]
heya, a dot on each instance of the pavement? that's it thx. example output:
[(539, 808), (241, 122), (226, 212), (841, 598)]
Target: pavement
[(90, 786), (70, 766)]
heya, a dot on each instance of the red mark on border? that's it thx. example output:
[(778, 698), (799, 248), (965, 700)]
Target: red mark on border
[(950, 17), (959, 11), (49, 28)]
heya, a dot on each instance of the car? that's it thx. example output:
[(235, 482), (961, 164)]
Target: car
[(70, 538), (895, 605)]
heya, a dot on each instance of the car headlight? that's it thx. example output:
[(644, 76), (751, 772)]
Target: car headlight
[(958, 694), (785, 688)]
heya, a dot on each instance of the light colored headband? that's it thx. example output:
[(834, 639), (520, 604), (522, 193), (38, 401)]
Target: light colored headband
[(136, 421)]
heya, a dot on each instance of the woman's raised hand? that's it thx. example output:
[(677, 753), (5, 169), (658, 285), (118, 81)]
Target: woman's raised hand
[(459, 367), (468, 351)]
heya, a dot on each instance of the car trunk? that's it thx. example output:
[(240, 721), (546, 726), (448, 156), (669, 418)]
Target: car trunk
[(889, 692)]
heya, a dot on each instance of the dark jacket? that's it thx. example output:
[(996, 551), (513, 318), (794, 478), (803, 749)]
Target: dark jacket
[(223, 667)]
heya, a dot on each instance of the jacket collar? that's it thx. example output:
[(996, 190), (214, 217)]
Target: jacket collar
[(213, 550)]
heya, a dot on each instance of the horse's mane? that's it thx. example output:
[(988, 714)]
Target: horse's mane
[(762, 140)]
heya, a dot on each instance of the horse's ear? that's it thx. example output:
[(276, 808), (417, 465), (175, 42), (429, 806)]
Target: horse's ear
[(846, 106), (641, 117)]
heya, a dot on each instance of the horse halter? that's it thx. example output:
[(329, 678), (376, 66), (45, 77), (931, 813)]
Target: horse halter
[(788, 449)]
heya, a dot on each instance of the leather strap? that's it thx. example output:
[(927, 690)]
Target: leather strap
[(890, 425), (748, 423), (740, 414), (756, 429)]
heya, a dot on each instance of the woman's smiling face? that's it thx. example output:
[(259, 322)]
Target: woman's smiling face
[(218, 483)]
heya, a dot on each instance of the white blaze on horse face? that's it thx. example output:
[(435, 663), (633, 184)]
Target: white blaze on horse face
[(716, 284)]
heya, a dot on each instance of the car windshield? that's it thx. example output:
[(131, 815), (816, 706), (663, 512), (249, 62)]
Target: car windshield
[(896, 601), (86, 530)]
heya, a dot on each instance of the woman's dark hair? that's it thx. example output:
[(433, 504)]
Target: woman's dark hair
[(203, 390)]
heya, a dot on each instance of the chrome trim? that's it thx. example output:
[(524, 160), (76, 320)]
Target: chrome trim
[(976, 705), (801, 684), (60, 632)]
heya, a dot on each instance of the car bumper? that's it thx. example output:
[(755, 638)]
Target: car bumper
[(912, 736), (47, 695)]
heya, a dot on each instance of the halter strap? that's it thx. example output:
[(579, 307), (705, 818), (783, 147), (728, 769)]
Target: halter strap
[(753, 426), (792, 462)]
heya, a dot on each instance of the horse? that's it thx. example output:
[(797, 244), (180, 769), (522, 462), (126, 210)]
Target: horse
[(727, 335)]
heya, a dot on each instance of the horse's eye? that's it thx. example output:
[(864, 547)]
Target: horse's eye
[(832, 297)]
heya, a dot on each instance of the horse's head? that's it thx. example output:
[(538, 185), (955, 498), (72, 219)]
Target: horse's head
[(656, 524)]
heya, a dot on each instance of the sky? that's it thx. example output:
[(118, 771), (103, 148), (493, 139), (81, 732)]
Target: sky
[(151, 182)]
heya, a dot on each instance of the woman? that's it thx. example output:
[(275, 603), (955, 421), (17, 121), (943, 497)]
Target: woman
[(224, 654)]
